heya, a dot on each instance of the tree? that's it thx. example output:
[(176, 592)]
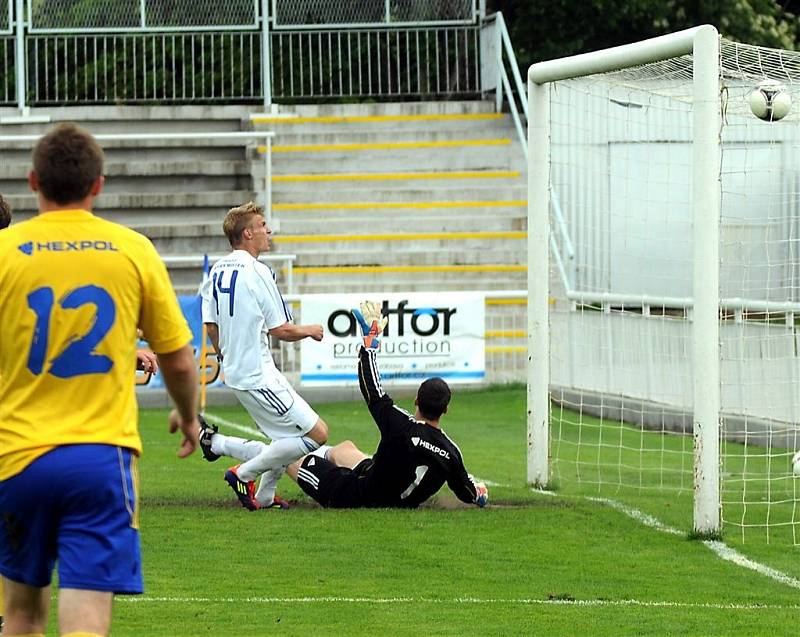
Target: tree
[(542, 31)]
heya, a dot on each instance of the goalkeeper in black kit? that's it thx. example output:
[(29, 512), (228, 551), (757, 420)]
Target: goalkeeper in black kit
[(414, 456)]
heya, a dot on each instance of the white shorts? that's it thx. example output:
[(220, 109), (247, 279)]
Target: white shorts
[(278, 410)]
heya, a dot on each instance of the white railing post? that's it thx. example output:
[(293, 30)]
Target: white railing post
[(538, 284), (498, 95), (706, 201), (268, 182), (20, 58), (266, 55)]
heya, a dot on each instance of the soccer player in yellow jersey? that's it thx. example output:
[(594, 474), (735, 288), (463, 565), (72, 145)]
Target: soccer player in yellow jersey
[(75, 289), (5, 220)]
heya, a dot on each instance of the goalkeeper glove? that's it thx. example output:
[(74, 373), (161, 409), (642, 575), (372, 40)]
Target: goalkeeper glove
[(481, 492), (482, 497), (372, 323)]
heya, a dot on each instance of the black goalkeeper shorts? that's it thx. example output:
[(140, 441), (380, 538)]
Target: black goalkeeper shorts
[(332, 486)]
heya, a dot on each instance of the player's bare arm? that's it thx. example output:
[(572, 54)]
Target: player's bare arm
[(290, 332), (180, 378), (212, 329)]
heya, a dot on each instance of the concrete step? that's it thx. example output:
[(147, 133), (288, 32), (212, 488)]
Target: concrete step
[(188, 277), (121, 119), (137, 209), (320, 212), (392, 255), (416, 254), (9, 171), (315, 283), (150, 151), (385, 284), (208, 239), (353, 125), (447, 192), (397, 180), (163, 183), (419, 135), (382, 108), (398, 160), (399, 224)]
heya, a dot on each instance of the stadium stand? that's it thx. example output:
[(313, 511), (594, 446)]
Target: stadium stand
[(418, 193)]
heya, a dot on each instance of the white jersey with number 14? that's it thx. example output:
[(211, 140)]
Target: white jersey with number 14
[(242, 298)]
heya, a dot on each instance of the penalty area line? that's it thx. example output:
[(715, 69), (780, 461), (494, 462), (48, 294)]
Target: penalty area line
[(721, 549), (454, 601), (219, 420)]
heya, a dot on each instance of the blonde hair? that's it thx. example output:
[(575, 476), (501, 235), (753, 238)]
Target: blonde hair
[(238, 219)]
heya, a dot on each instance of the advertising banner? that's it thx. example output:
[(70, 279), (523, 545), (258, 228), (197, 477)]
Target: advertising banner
[(428, 334)]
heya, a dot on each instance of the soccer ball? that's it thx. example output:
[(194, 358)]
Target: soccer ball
[(796, 464), (770, 101)]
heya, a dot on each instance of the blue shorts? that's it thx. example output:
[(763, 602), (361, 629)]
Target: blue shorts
[(77, 505)]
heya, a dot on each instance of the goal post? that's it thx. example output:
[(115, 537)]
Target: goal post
[(702, 43)]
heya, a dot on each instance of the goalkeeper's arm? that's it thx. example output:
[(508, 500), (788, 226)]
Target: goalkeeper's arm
[(466, 488), (369, 378), (380, 404)]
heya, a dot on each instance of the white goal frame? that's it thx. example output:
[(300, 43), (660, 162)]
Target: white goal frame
[(703, 43)]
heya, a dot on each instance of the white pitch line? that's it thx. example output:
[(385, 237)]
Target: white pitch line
[(219, 420), (732, 555), (457, 600), (491, 483), (722, 550), (639, 516)]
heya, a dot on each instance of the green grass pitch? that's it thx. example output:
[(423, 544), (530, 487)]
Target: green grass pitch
[(529, 564)]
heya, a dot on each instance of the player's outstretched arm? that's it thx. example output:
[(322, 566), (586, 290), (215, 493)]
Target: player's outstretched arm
[(372, 322), (290, 332), (465, 487), (180, 378)]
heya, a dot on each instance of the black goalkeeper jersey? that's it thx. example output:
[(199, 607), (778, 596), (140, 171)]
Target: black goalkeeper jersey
[(413, 459)]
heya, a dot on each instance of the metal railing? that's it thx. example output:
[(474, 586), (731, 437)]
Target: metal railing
[(199, 51), (313, 14), (124, 16), (385, 63), (6, 21), (246, 137), (144, 67)]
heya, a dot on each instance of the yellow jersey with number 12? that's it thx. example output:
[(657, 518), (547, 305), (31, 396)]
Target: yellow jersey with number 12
[(73, 289)]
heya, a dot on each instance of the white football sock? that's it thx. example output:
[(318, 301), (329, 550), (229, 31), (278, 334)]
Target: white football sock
[(239, 448), (322, 452), (277, 454), (265, 494)]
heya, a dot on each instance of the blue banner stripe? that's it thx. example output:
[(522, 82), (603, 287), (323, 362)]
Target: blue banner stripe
[(395, 375)]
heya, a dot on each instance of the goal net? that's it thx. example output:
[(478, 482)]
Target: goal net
[(657, 218)]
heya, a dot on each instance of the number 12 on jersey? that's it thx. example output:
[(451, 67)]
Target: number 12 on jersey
[(79, 356), (218, 288)]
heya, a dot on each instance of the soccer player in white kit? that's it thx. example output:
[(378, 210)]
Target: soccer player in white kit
[(242, 308)]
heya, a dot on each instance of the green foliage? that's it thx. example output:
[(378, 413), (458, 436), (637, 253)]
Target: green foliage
[(547, 30)]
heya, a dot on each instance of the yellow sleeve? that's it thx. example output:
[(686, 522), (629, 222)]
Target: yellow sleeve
[(161, 319)]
